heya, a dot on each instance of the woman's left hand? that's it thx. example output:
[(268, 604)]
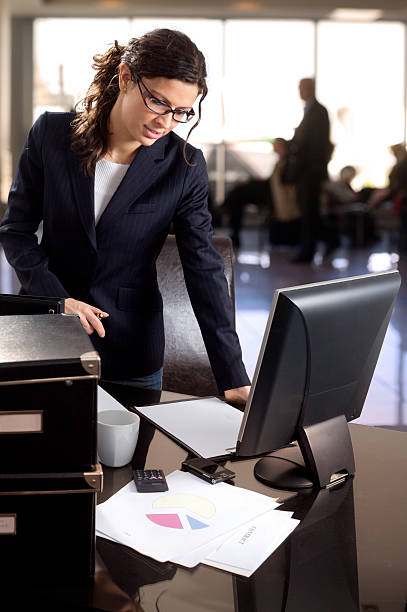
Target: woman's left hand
[(90, 316), (237, 396)]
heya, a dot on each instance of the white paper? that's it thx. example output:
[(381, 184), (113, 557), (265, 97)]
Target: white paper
[(190, 515), (250, 545), (107, 402), (207, 426), (106, 536), (243, 550)]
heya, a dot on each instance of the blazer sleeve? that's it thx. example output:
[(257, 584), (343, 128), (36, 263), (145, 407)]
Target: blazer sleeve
[(23, 216), (205, 279)]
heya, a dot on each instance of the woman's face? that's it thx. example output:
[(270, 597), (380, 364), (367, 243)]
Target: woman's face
[(139, 124)]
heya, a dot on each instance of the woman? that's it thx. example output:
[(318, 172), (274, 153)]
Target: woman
[(285, 219), (108, 182)]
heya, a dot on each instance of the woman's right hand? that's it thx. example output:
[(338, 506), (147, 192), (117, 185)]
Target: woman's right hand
[(88, 315)]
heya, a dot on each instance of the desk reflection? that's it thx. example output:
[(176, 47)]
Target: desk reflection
[(121, 572), (315, 569)]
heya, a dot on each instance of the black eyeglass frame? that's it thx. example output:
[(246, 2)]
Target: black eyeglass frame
[(144, 94)]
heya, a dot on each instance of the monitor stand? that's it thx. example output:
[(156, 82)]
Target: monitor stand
[(324, 456)]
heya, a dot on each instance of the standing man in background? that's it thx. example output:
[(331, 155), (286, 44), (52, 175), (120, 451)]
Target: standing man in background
[(309, 154)]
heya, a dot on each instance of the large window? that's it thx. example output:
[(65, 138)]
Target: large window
[(264, 60), (361, 81), (261, 91), (64, 49), (63, 52), (253, 72)]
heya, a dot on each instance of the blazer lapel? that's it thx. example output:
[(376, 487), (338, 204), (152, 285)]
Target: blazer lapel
[(141, 174), (84, 194)]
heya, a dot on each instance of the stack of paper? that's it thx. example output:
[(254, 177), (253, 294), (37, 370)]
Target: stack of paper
[(195, 522)]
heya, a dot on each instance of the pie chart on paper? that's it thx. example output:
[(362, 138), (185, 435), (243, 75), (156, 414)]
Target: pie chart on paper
[(178, 511)]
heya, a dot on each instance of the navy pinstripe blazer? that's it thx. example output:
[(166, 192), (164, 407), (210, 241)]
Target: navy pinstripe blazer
[(112, 265)]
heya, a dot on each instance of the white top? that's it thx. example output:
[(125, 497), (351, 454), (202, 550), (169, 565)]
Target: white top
[(108, 176)]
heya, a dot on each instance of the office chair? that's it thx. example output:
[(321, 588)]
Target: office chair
[(3, 207), (186, 365)]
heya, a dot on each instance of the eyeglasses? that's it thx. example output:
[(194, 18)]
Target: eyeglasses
[(162, 108)]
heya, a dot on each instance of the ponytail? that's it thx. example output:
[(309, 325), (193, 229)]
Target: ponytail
[(90, 125)]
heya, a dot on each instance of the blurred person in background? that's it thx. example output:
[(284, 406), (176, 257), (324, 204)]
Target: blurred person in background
[(396, 192), (346, 212), (270, 195), (285, 217), (309, 153)]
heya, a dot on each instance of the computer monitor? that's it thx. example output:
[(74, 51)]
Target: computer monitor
[(318, 355)]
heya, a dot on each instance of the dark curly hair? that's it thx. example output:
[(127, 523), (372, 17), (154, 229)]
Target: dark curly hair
[(160, 53)]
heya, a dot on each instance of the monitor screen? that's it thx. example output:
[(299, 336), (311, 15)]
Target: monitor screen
[(318, 355)]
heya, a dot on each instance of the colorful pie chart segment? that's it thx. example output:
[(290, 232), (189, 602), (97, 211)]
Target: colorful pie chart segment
[(199, 506), (195, 524), (166, 520), (173, 521)]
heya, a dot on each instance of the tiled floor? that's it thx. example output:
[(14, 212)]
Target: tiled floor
[(386, 402), (258, 274)]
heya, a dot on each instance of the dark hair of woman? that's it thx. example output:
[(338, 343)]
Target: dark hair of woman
[(160, 53)]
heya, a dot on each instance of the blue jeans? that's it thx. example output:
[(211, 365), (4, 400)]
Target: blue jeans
[(151, 381)]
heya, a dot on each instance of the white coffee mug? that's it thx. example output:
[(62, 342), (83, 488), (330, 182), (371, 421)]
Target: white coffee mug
[(117, 436)]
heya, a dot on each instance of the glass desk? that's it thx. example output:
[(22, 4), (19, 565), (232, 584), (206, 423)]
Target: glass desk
[(349, 552)]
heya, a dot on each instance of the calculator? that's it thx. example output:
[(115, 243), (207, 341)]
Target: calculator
[(150, 481)]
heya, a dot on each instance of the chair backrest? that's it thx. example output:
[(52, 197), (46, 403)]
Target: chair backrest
[(186, 364), (2, 209)]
